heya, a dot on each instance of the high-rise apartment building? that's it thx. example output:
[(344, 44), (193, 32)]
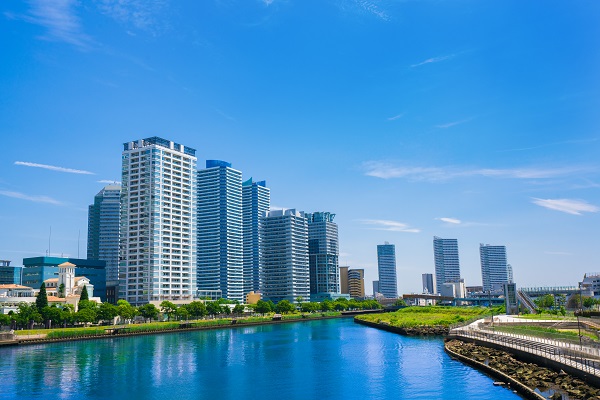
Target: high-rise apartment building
[(344, 288), (495, 271), (284, 256), (428, 283), (375, 288), (256, 200), (447, 264), (220, 236), (323, 254), (158, 221), (386, 265), (356, 283), (103, 230)]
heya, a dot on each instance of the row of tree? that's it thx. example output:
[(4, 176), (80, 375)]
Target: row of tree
[(89, 311)]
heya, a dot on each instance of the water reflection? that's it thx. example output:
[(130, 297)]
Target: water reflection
[(308, 360)]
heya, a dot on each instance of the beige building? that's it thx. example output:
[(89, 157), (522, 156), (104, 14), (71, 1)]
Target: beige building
[(344, 288), (356, 283), (253, 298)]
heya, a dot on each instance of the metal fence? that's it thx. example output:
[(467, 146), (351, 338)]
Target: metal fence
[(579, 359)]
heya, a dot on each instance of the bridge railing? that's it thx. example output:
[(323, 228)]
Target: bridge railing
[(565, 356)]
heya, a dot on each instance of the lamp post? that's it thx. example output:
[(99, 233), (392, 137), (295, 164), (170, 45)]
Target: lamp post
[(491, 308), (580, 312)]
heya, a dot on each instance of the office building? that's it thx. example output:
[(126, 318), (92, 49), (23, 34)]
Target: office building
[(495, 270), (447, 265), (376, 288), (323, 254), (158, 217), (386, 266), (9, 275), (356, 283), (220, 236), (284, 256), (256, 200), (103, 235), (428, 283), (39, 269)]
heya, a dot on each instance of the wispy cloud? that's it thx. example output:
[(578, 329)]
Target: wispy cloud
[(141, 14), (569, 206), (369, 7), (109, 182), (451, 124), (434, 60), (35, 198), (60, 20), (395, 117), (453, 221), (392, 226), (224, 115), (385, 170), (54, 168)]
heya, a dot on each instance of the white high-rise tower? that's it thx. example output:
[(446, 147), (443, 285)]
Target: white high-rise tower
[(158, 214)]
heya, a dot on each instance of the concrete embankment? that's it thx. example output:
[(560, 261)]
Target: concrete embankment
[(182, 328), (522, 376)]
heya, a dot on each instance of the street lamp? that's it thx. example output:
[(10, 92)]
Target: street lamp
[(580, 312), (491, 308)]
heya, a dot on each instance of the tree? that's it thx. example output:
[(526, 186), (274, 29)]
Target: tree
[(42, 298), (27, 315), (214, 308), (196, 309), (182, 313), (51, 314), (86, 315), (239, 309), (284, 307), (5, 320), (84, 294), (326, 305), (148, 311), (126, 310), (588, 302), (168, 308), (263, 307), (544, 302), (61, 290), (340, 306), (87, 304), (107, 312), (400, 303)]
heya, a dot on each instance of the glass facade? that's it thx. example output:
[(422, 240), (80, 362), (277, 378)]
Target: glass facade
[(495, 271), (256, 200), (386, 265), (323, 254), (447, 264)]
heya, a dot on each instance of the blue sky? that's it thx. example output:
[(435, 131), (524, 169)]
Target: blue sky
[(408, 119)]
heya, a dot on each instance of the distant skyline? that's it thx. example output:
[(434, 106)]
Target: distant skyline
[(469, 120)]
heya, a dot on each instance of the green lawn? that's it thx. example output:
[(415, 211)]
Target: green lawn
[(427, 316), (547, 333)]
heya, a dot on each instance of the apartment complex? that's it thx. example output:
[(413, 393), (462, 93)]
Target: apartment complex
[(256, 200), (495, 271), (284, 256), (447, 264), (158, 231), (356, 283)]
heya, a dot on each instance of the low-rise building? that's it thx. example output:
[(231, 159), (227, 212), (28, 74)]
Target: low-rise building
[(11, 295)]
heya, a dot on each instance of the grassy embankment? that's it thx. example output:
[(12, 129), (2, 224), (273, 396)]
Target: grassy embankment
[(65, 333), (431, 316), (569, 335)]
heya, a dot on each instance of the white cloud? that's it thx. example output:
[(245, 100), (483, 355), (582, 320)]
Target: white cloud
[(60, 20), (54, 168), (385, 170), (395, 117), (451, 124), (569, 206), (393, 226), (37, 199), (450, 220), (434, 60), (142, 14)]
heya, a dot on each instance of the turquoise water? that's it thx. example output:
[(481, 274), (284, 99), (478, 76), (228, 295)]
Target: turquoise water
[(328, 359)]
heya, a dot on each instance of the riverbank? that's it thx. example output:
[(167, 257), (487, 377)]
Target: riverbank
[(522, 376), (138, 329)]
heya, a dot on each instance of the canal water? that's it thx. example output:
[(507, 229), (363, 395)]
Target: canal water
[(327, 359)]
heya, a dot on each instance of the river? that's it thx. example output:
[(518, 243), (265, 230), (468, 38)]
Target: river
[(326, 359)]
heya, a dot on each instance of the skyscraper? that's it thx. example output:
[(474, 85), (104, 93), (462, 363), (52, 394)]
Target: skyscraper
[(103, 230), (256, 200), (323, 254), (495, 271), (158, 228), (386, 265), (220, 237), (428, 283), (447, 265), (284, 256)]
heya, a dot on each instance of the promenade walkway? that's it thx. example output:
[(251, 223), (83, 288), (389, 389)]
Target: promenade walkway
[(585, 358)]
